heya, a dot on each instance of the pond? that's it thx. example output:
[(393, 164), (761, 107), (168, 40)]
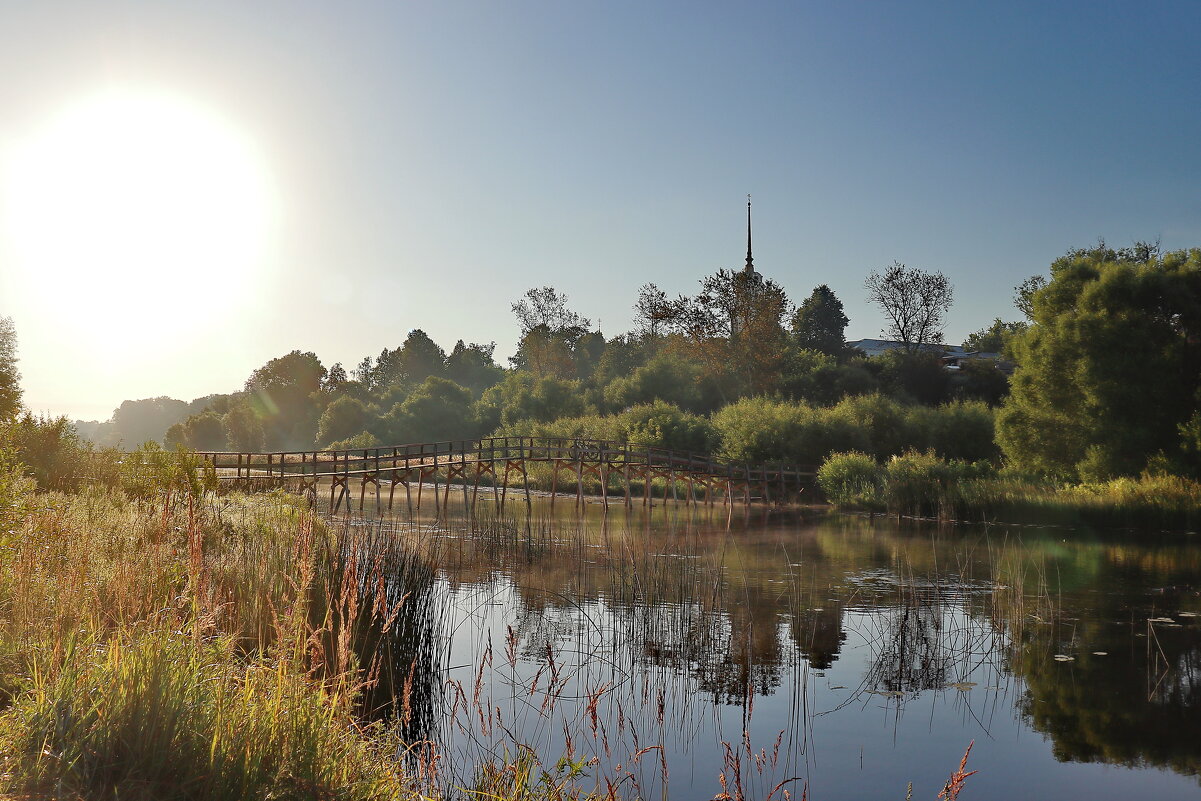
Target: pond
[(685, 651)]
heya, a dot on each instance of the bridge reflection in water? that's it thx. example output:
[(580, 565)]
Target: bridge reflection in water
[(568, 465)]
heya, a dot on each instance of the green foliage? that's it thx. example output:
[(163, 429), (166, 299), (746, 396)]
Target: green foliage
[(10, 377), (922, 484), (471, 366), (819, 323), (1110, 369), (850, 478), (361, 440), (654, 425), (664, 425), (243, 429), (15, 489), (138, 421), (154, 715), (734, 328), (151, 473), (200, 432), (994, 338), (343, 418), (420, 357), (437, 410), (622, 355), (916, 375), (523, 396), (48, 449), (281, 394), (667, 377), (964, 430), (761, 430)]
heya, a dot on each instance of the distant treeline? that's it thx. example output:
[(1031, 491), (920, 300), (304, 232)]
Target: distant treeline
[(1107, 381)]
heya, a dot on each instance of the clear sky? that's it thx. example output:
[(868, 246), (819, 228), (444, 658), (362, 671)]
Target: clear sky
[(190, 189)]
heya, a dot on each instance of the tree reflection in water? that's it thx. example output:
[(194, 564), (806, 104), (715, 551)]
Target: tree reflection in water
[(705, 607)]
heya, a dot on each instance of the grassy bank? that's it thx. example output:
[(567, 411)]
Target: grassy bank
[(926, 485), (187, 646)]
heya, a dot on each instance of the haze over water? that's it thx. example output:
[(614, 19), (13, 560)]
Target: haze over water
[(858, 655)]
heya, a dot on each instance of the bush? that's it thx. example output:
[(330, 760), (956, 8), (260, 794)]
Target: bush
[(663, 425), (850, 479), (49, 450)]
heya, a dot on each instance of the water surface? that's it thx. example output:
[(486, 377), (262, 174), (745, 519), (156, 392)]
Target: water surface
[(676, 647)]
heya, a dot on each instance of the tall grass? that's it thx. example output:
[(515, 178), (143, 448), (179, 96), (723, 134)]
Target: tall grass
[(177, 644)]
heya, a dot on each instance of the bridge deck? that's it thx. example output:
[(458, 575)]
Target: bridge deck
[(470, 460)]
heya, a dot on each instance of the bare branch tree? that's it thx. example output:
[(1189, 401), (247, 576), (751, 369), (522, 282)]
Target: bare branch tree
[(547, 307), (652, 311), (916, 303)]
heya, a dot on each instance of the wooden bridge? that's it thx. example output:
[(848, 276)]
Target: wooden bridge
[(494, 460)]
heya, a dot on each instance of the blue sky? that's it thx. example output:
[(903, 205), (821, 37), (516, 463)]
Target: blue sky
[(431, 161)]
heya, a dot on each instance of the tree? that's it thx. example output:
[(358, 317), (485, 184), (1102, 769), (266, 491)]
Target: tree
[(1109, 372), (915, 303), (993, 338), (243, 429), (1023, 294), (550, 334), (282, 391), (471, 366), (733, 327), (652, 312), (10, 377), (343, 418), (420, 357), (546, 307), (436, 410), (820, 324), (137, 421)]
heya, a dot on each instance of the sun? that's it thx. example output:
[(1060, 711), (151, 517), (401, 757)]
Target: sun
[(132, 208)]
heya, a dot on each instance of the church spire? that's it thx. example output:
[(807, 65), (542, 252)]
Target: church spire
[(750, 262)]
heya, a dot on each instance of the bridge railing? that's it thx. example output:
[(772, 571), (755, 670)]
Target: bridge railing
[(311, 464)]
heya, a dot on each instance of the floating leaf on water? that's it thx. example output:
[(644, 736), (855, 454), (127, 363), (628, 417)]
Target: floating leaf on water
[(962, 686), (1100, 653), (1064, 658), (1186, 614), (1160, 620), (838, 687)]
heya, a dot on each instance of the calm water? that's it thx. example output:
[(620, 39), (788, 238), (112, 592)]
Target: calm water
[(858, 656)]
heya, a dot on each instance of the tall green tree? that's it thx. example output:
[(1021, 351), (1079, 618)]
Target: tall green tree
[(10, 377), (820, 324), (1109, 372), (421, 357), (282, 392), (734, 328), (472, 366)]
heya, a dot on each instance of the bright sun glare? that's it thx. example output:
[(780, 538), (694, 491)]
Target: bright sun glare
[(136, 204)]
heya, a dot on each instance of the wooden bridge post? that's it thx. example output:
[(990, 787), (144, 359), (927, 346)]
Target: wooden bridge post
[(554, 481), (437, 501), (579, 481), (625, 474)]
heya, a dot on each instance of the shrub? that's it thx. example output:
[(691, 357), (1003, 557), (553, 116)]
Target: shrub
[(49, 450), (923, 484), (850, 478)]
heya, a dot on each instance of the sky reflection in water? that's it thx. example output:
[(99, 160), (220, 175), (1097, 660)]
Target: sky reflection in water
[(855, 655)]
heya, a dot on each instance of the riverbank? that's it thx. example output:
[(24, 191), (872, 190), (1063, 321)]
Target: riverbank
[(924, 485)]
